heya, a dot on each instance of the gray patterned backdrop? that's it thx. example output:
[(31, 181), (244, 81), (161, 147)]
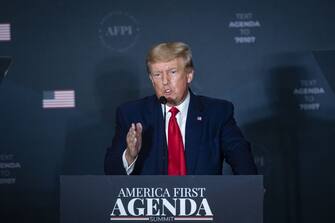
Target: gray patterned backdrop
[(274, 59)]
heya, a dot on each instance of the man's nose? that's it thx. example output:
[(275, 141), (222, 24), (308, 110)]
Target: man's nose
[(165, 78)]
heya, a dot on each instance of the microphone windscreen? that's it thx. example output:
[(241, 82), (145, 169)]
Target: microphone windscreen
[(163, 100)]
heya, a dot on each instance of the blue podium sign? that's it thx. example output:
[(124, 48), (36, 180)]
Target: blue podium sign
[(103, 199)]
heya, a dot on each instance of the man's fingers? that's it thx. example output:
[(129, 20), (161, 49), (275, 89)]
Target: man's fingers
[(135, 133), (131, 135), (139, 127), (134, 139), (132, 130)]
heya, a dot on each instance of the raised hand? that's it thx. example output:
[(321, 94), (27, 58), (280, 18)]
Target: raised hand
[(134, 142)]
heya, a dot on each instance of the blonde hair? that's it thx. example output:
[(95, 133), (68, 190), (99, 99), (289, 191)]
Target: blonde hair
[(164, 52)]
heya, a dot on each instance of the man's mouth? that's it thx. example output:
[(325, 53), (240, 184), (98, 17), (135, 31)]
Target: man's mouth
[(167, 92)]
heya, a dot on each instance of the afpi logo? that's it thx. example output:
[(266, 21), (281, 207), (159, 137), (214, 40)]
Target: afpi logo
[(118, 31), (162, 204)]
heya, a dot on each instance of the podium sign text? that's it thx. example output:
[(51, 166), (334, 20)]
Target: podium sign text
[(103, 199)]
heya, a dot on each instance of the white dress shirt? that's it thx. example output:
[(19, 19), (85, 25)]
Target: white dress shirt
[(181, 117)]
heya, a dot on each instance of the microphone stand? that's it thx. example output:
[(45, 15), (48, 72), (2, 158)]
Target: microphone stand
[(163, 101)]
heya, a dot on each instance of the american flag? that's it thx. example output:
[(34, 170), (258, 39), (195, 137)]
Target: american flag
[(5, 32), (59, 99)]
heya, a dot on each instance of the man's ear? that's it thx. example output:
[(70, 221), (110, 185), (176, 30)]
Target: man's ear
[(190, 76), (151, 79)]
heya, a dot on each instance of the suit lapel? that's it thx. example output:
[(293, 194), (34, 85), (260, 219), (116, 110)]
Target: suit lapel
[(161, 139), (153, 156), (193, 132)]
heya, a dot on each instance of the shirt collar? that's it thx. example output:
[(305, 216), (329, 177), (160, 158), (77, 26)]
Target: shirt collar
[(183, 107)]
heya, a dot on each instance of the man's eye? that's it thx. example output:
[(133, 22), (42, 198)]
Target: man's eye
[(173, 71), (156, 74)]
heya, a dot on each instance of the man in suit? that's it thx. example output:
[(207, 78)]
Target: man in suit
[(200, 132)]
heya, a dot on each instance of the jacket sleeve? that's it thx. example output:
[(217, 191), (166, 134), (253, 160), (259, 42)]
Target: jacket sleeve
[(236, 148), (113, 158)]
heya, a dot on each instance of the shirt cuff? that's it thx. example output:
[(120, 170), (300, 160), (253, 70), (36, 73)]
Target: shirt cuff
[(129, 168)]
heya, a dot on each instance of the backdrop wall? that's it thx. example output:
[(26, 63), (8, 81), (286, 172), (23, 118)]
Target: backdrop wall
[(273, 59)]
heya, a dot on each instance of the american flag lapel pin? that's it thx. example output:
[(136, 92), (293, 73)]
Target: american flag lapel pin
[(199, 118)]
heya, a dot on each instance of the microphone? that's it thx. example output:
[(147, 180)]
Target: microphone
[(163, 101)]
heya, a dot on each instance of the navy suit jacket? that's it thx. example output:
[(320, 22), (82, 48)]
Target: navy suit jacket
[(211, 135)]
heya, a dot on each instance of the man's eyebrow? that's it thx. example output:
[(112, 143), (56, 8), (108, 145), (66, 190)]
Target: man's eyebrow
[(172, 68), (156, 71), (160, 71)]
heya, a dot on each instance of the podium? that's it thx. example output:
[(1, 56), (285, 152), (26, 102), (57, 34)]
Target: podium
[(219, 199)]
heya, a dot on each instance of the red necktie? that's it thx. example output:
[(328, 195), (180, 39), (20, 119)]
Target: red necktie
[(176, 163)]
